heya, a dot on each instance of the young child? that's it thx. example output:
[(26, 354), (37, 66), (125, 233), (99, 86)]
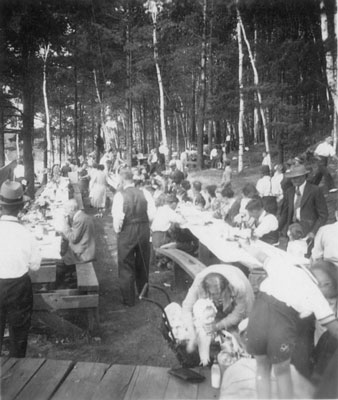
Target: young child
[(163, 221), (297, 245)]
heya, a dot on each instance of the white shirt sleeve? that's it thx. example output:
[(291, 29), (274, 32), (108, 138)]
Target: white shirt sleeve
[(269, 224), (117, 212), (151, 209), (34, 262), (318, 249)]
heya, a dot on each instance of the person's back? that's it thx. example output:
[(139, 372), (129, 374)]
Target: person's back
[(134, 206)]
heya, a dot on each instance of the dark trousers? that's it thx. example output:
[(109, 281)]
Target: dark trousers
[(16, 305), (133, 249), (322, 171)]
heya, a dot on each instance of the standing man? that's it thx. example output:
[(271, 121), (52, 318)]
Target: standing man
[(19, 253), (303, 203), (323, 152), (132, 210)]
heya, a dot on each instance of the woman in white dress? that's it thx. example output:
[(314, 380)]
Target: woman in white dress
[(98, 189)]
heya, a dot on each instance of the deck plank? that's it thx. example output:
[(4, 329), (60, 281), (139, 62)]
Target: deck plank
[(6, 365), (148, 383), (3, 360), (180, 389), (205, 391), (46, 380), (16, 377), (82, 381), (114, 383)]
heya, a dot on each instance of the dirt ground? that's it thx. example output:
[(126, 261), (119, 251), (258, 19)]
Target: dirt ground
[(125, 335)]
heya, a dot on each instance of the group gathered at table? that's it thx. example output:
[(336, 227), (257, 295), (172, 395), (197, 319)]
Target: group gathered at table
[(266, 298)]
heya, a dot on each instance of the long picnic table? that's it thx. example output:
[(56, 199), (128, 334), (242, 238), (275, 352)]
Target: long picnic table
[(44, 379), (217, 245)]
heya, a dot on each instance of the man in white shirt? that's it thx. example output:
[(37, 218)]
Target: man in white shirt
[(19, 171), (132, 210), (326, 245), (266, 159), (323, 152), (213, 157), (266, 224), (19, 253), (263, 185)]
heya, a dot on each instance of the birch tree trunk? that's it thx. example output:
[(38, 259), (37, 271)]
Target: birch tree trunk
[(241, 96), (129, 125), (202, 90), (256, 82), (331, 65), (256, 112), (160, 86), (45, 102)]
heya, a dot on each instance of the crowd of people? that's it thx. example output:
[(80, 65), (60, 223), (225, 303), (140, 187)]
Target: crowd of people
[(285, 206)]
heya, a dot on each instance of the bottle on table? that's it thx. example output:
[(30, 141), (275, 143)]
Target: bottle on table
[(215, 374)]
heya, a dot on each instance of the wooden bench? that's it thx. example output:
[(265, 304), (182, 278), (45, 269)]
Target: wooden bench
[(85, 296), (189, 265), (88, 286)]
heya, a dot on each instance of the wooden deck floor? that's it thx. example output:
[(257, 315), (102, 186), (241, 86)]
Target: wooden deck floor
[(42, 379)]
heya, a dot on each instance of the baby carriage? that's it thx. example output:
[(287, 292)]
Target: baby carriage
[(186, 360)]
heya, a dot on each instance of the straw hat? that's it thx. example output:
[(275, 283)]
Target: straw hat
[(296, 171), (11, 194)]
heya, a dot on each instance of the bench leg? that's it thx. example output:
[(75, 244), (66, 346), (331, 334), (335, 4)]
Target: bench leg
[(93, 319)]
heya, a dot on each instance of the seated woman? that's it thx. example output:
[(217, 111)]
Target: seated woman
[(230, 291), (223, 202), (199, 202), (249, 191), (265, 225)]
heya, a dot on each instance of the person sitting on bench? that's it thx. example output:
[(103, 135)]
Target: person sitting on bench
[(78, 235), (265, 224)]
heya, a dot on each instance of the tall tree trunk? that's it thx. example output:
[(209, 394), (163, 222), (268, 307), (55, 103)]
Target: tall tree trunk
[(28, 116), (60, 134), (192, 136), (49, 145), (145, 126), (256, 112), (2, 138), (331, 65), (129, 138), (241, 96), (256, 81), (80, 146), (202, 90), (160, 86), (75, 111)]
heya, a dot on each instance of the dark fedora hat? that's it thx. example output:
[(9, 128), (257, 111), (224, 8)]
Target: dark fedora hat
[(296, 171), (11, 194)]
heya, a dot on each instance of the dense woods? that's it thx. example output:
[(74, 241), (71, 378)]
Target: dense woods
[(145, 72)]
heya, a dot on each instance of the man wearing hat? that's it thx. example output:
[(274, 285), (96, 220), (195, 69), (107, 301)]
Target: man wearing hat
[(303, 203), (323, 152), (19, 253)]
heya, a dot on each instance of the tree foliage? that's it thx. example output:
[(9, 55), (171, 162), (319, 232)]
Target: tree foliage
[(101, 68)]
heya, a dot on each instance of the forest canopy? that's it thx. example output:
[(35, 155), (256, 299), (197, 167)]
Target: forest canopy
[(141, 72)]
